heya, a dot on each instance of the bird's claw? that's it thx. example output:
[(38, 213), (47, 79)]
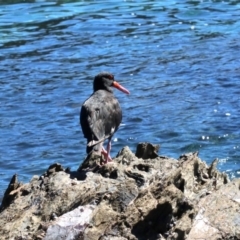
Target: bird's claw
[(106, 157)]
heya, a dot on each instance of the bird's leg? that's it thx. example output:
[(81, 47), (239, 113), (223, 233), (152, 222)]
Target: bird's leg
[(107, 153), (108, 158)]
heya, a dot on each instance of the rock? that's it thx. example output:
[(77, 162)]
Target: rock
[(218, 216), (13, 189), (70, 225), (142, 196), (147, 150)]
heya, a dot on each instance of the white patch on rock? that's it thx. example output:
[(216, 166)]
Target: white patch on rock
[(202, 228), (70, 225)]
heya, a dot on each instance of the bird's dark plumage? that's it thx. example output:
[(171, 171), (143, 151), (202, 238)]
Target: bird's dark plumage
[(101, 114)]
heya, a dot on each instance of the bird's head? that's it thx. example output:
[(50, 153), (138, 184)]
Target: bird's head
[(104, 81)]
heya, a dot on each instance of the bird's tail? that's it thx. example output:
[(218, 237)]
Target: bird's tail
[(94, 146)]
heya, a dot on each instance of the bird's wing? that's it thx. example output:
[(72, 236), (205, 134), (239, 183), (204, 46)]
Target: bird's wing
[(93, 124), (100, 118)]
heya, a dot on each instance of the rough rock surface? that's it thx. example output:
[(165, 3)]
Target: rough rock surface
[(137, 196)]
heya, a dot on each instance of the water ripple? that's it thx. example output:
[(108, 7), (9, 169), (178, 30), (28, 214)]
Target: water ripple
[(178, 59)]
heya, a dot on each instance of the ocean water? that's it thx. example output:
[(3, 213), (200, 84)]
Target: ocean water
[(179, 59)]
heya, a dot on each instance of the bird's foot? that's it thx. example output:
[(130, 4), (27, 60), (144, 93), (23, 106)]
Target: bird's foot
[(107, 157)]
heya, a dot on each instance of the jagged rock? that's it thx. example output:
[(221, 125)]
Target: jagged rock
[(218, 215), (147, 150), (134, 197), (13, 189)]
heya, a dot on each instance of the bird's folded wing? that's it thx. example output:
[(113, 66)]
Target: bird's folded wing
[(95, 142), (94, 122)]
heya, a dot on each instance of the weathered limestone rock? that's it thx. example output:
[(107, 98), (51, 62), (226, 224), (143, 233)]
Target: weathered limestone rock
[(142, 196), (70, 225), (219, 214)]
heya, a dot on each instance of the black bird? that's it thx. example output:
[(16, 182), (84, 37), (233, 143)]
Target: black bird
[(101, 114)]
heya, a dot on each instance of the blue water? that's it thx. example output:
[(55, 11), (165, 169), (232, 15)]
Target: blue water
[(179, 59)]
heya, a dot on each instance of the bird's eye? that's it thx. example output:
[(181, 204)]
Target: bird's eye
[(111, 77)]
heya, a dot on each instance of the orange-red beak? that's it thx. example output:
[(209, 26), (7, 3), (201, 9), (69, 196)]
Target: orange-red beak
[(120, 87)]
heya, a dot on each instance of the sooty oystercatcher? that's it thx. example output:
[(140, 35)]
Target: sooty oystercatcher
[(101, 114)]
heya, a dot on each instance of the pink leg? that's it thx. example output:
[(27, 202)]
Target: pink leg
[(108, 150), (107, 153)]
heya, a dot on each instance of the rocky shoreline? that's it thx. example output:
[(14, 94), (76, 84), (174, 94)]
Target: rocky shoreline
[(139, 195)]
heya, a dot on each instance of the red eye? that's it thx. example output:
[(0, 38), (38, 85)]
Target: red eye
[(111, 77)]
